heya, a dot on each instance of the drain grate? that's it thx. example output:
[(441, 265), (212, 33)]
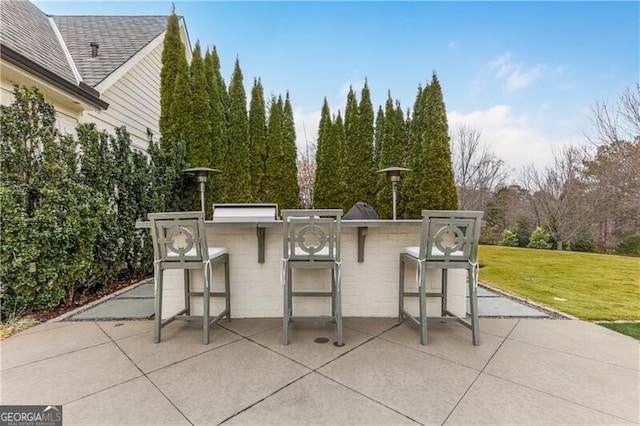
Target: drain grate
[(321, 340)]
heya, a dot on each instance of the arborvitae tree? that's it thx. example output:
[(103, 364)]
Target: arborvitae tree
[(365, 146), (258, 142), (391, 155), (222, 87), (437, 187), (291, 190), (274, 161), (180, 111), (173, 61), (339, 139), (411, 198), (329, 186), (353, 153), (236, 166), (324, 168), (218, 123), (199, 131)]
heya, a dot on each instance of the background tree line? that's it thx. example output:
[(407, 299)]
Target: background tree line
[(587, 199)]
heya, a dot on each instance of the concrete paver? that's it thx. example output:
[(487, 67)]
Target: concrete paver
[(526, 371)]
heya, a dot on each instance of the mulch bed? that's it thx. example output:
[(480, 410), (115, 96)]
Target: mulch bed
[(85, 299)]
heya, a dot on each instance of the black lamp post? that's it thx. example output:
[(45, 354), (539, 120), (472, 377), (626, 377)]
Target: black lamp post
[(201, 174), (393, 174)]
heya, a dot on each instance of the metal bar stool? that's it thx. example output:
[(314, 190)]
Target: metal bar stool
[(180, 242), (311, 240), (449, 240)]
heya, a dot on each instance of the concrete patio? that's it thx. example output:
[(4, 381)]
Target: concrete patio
[(526, 371)]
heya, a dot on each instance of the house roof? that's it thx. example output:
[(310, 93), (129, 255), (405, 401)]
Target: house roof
[(27, 30), (118, 38), (58, 48)]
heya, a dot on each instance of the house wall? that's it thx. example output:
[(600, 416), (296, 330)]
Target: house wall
[(68, 109), (369, 289), (134, 101)]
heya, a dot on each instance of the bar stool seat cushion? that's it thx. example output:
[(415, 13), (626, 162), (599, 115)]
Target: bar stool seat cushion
[(415, 252), (214, 252)]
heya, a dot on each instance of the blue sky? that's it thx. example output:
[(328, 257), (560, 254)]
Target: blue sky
[(524, 73)]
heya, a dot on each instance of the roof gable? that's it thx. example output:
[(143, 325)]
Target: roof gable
[(119, 38)]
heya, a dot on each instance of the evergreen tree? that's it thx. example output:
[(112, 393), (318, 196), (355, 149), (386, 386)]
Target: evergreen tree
[(391, 155), (324, 168), (411, 199), (358, 173), (199, 132), (218, 123), (237, 163), (275, 155), (291, 190), (437, 185), (258, 142), (365, 146), (339, 139), (173, 61), (180, 111), (329, 185), (222, 87)]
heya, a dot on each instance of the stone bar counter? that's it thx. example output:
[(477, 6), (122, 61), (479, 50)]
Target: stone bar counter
[(370, 272)]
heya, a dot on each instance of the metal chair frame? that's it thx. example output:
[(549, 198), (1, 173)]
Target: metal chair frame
[(180, 242), (312, 240), (449, 240)]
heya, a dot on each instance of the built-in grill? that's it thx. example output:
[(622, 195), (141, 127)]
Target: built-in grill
[(245, 212), (249, 213)]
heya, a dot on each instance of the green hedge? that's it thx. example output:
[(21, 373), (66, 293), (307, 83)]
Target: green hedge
[(69, 206)]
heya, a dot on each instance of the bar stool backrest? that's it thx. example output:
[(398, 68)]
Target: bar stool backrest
[(450, 236), (312, 235), (179, 239)]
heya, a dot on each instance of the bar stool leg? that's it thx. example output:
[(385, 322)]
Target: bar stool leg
[(187, 290), (158, 304), (423, 302), (227, 288), (337, 276), (286, 302), (401, 312), (473, 304), (206, 299)]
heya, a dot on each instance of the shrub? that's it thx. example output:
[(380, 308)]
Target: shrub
[(539, 239), (509, 238), (630, 244), (583, 241), (69, 205)]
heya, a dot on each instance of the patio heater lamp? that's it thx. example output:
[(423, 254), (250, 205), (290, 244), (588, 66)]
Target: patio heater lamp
[(201, 174), (393, 174)]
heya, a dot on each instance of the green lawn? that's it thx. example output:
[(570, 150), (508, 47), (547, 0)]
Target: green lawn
[(629, 328), (589, 286)]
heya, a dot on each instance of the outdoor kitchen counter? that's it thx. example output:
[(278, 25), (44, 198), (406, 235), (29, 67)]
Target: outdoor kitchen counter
[(369, 283)]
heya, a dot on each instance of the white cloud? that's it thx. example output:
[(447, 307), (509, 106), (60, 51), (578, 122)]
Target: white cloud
[(514, 75), (511, 137)]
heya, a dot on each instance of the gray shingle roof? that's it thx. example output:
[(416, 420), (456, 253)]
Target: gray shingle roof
[(119, 38), (27, 30)]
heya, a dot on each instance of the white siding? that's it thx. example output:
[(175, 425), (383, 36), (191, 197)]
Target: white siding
[(134, 101), (66, 116)]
